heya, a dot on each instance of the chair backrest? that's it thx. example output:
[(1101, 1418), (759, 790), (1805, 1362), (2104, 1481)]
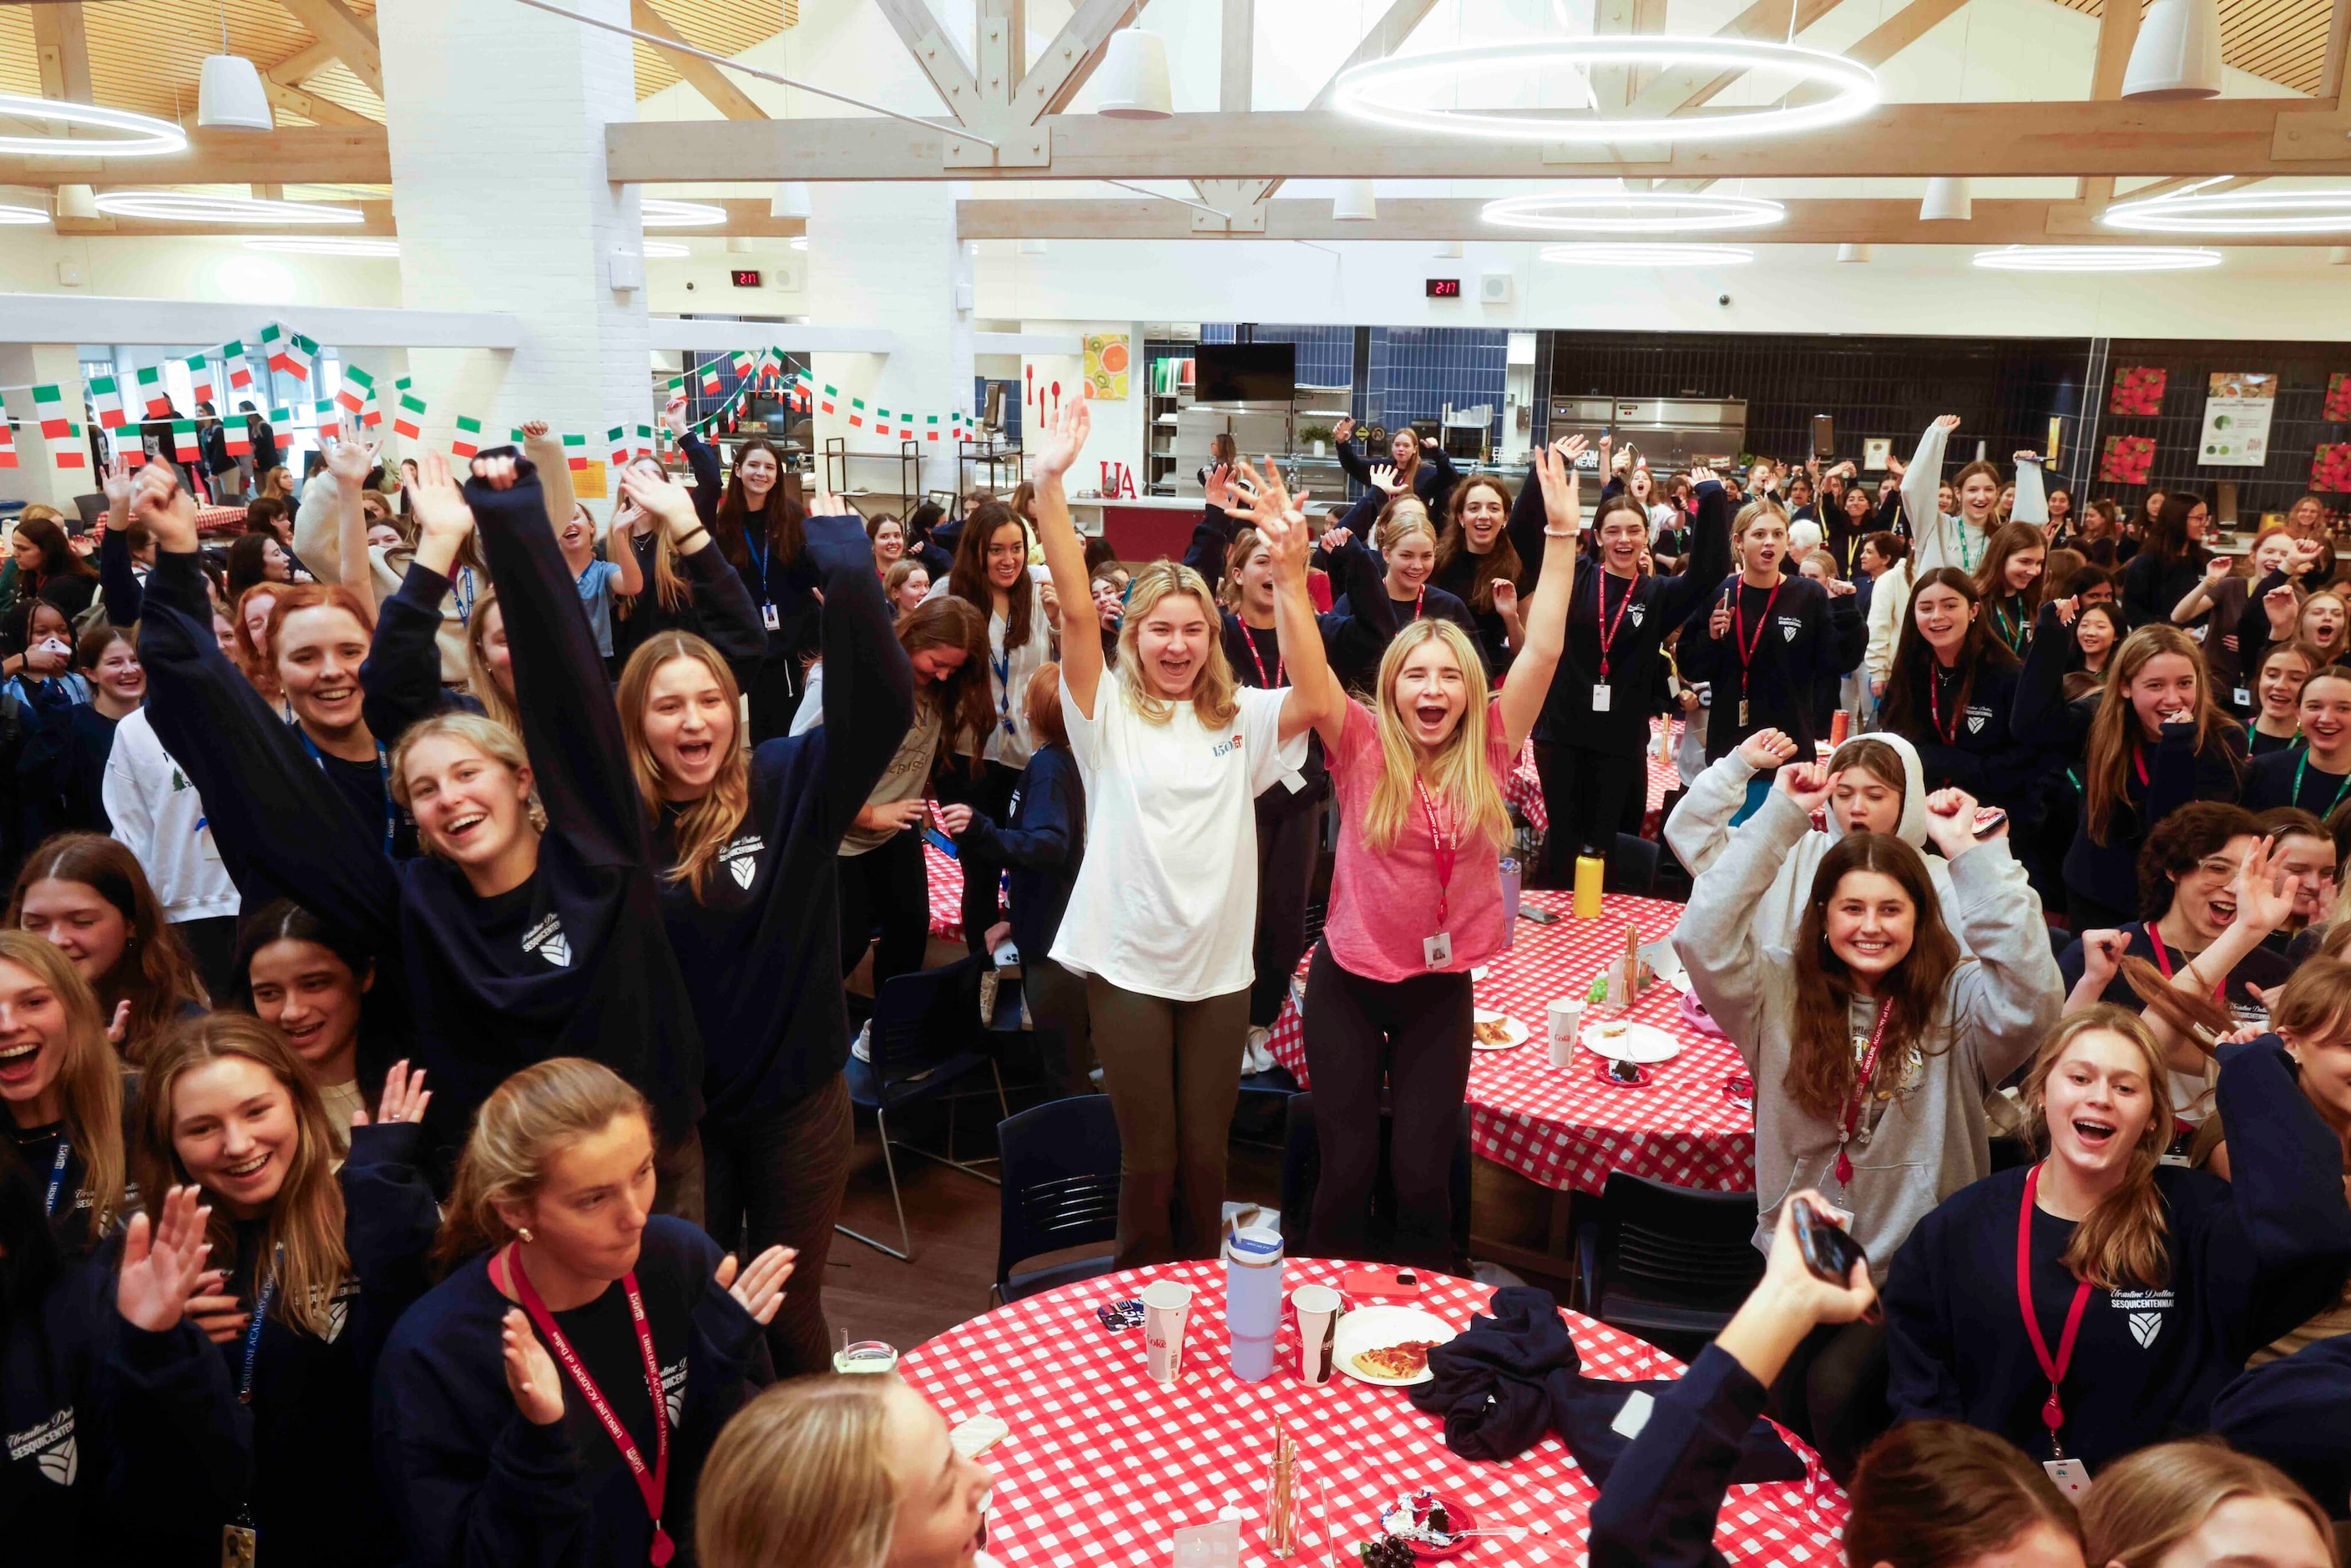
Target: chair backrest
[(922, 1019), (1665, 1243), (1061, 1178), (1633, 865)]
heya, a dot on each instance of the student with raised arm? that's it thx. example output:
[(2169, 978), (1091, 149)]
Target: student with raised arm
[(1418, 461), (1172, 751), (749, 842), (1419, 777), (1938, 538), (512, 941), (1588, 743), (1872, 1042)]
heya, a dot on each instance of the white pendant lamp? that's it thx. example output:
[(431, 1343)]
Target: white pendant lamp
[(2178, 52), (229, 96), (1948, 200), (1134, 74), (1355, 203), (791, 201), (1852, 253)]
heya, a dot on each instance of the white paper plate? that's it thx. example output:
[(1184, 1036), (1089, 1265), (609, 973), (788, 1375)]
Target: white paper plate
[(1515, 1031), (1370, 1328), (1639, 1042), (1477, 974)]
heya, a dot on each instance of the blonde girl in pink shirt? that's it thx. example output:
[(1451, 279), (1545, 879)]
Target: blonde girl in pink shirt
[(1417, 897)]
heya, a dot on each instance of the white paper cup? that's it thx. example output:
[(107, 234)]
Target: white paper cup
[(1166, 1314), (1562, 1020), (1318, 1328)]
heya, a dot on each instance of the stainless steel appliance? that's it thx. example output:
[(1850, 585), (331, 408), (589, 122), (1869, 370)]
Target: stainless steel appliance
[(1672, 433)]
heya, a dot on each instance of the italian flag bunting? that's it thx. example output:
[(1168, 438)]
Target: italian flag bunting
[(240, 441), (106, 392), (745, 362), (297, 354), (153, 397), (200, 377), (7, 443), (710, 378), (616, 440), (358, 387), (644, 440), (575, 453), (273, 345), (60, 431), (240, 377), (281, 417), (330, 420), (930, 427), (467, 441), (825, 404), (515, 436), (856, 412), (408, 422), (675, 386), (184, 444)]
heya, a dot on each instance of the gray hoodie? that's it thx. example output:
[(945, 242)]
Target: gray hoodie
[(1930, 1139), (1699, 831)]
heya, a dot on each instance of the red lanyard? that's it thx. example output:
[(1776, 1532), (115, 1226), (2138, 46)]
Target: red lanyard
[(1739, 638), (2163, 962), (1418, 600), (1446, 850), (1280, 664), (2138, 761), (1850, 1118), (1935, 707), (653, 1484), (1607, 627), (2052, 1414)]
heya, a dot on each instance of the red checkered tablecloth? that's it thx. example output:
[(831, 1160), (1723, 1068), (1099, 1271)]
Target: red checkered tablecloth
[(1524, 790), (1102, 1466), (946, 877), (1568, 1128), (220, 519)]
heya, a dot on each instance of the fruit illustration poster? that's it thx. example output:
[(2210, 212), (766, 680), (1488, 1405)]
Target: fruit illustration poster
[(2237, 409), (1108, 359)]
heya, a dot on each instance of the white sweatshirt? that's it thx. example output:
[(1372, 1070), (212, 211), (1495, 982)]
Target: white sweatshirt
[(1937, 537), (158, 814)]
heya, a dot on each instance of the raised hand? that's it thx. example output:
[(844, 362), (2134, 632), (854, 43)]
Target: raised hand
[(1718, 622), (162, 1263), (1766, 748), (168, 511), (1065, 438), (1383, 478), (672, 416), (1948, 421), (118, 1028), (349, 462), (534, 428), (1428, 444), (1333, 541), (760, 1288), (2265, 889), (2027, 456), (660, 497), (1701, 474), (2219, 567), (1555, 471), (1952, 821), (1346, 429), (1506, 598), (1291, 544), (404, 1097), (1808, 784), (2302, 555), (439, 505), (531, 1377), (495, 469), (2101, 957), (1838, 587), (827, 504), (2283, 608), (1221, 488), (2067, 609), (1790, 1285), (120, 479)]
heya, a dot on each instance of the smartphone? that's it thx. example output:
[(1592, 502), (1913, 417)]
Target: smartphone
[(941, 842), (1988, 820), (1823, 435), (1378, 1281), (1828, 1252), (1536, 914)]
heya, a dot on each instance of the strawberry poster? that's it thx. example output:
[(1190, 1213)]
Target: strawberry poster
[(2237, 409), (2330, 471), (2138, 388), (2338, 396), (2128, 459)]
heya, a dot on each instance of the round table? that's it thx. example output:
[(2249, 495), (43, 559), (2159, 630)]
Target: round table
[(1566, 1128), (944, 874), (1101, 1464), (1524, 790)]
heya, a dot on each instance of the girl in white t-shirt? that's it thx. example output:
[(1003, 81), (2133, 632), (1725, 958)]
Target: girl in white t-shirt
[(1172, 751)]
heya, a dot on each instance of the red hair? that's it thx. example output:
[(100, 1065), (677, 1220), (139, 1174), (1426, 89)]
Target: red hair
[(294, 596)]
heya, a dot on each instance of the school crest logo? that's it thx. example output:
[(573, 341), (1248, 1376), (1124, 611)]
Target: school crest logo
[(674, 1391), (1975, 723), (51, 1447), (545, 939), (1633, 612), (1787, 633), (2145, 1326), (742, 858), (339, 1309)]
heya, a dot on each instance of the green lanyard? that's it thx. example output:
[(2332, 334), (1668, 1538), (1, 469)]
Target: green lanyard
[(2341, 785), (2011, 631)]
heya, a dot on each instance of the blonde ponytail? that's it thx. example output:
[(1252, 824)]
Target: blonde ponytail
[(524, 1123)]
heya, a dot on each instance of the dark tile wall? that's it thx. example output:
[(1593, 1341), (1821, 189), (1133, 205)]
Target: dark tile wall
[(1415, 370), (2004, 391), (2296, 429)]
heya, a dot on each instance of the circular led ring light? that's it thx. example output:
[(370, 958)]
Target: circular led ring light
[(1648, 255), (326, 245), (196, 207), (1632, 212), (2096, 258), (2236, 212), (667, 249), (11, 215), (1368, 91), (656, 212), (142, 136)]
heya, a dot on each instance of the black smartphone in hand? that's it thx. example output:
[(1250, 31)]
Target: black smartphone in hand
[(1828, 1252)]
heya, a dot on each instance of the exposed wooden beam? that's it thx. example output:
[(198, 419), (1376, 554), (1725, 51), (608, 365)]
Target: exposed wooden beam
[(293, 154), (305, 63), (62, 43), (1071, 56), (1386, 37), (949, 73), (2220, 136), (313, 106), (698, 73), (2117, 30), (332, 24), (1684, 88), (1002, 48), (1236, 57), (1810, 221), (2335, 74), (1906, 27)]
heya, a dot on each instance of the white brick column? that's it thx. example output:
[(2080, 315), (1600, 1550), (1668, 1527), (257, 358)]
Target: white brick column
[(885, 254), (497, 115), (37, 476)]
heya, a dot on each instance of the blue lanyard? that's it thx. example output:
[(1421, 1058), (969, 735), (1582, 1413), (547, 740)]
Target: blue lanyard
[(761, 554), (1002, 666), (253, 1329), (383, 777), (56, 1174), (461, 589)]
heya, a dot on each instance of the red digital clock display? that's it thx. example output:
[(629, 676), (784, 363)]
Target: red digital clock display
[(746, 277), (1444, 288)]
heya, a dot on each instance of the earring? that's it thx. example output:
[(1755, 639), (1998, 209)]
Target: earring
[(524, 1231)]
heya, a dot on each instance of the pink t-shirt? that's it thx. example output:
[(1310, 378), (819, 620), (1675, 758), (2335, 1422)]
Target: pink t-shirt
[(1383, 902)]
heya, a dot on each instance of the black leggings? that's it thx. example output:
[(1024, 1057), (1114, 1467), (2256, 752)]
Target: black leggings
[(989, 795), (1413, 1036), (1585, 794), (885, 887), (1286, 842)]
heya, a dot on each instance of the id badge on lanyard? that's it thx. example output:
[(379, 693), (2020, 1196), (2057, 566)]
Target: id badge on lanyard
[(771, 618)]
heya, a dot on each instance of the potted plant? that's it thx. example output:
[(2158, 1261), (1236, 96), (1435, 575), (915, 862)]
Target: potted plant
[(1314, 434)]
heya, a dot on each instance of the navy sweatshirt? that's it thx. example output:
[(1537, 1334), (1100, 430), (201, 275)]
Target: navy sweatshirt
[(574, 962), (2270, 780), (1807, 634), (1432, 478), (118, 579), (2261, 967), (2250, 1259), (1041, 840), (1658, 605), (2152, 589), (2176, 772), (476, 1484), (61, 771), (789, 585), (760, 948), (2293, 1413), (1659, 1506), (1975, 749)]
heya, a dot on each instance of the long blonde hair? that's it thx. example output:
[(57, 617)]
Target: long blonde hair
[(1213, 687), (706, 825), (800, 1478), (521, 1126), (303, 1232), (484, 734), (480, 684), (1459, 774), (90, 1080), (2151, 1501), (2114, 731), (2123, 1240)]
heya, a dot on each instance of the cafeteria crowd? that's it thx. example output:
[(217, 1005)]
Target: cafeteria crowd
[(425, 1038)]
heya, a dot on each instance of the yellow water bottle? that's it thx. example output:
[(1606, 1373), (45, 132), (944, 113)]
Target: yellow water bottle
[(1591, 871)]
